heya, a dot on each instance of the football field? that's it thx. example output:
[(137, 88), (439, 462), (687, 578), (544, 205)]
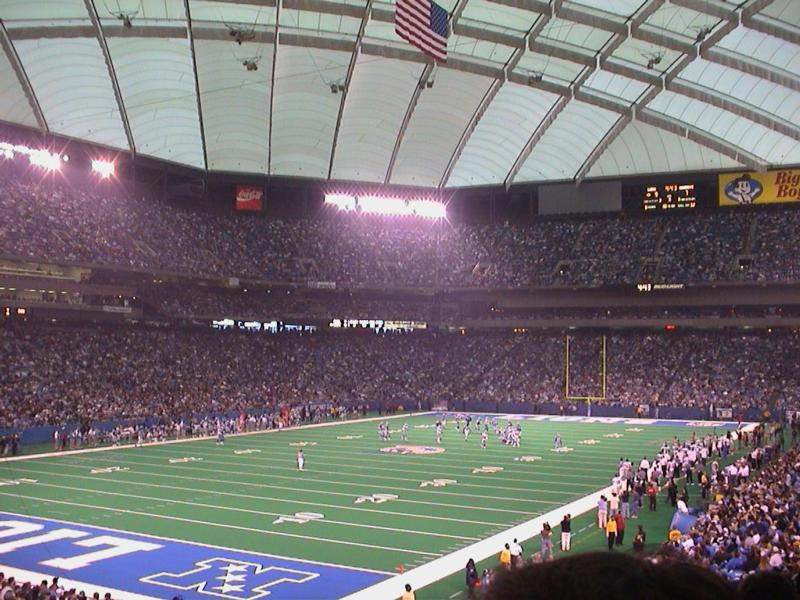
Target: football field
[(240, 521)]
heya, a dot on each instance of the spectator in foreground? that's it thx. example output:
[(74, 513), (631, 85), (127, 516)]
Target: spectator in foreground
[(600, 576), (408, 594)]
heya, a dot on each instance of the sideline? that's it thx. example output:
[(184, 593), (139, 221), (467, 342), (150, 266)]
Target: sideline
[(422, 576), (209, 437)]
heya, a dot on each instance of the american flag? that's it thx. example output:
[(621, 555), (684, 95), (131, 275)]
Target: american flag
[(422, 23)]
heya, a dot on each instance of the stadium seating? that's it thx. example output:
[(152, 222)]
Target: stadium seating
[(59, 374), (59, 222)]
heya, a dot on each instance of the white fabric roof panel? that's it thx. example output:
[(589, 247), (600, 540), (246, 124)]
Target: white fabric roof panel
[(768, 96), (576, 34), (304, 109), (59, 54), (157, 83), (235, 104), (14, 105), (73, 88), (787, 11), (743, 133), (642, 149), (44, 10), (765, 48), (380, 91), (500, 135), (558, 155), (616, 85), (436, 125)]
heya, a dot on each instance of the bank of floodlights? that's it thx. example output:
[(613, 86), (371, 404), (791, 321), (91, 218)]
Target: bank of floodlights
[(387, 205), (104, 168), (45, 159)]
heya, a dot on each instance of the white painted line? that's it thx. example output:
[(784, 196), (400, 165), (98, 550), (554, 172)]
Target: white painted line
[(215, 547), (221, 525), (251, 511), (248, 496), (207, 437), (441, 567)]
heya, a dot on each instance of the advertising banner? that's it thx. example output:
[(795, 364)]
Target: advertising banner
[(249, 198), (771, 187)]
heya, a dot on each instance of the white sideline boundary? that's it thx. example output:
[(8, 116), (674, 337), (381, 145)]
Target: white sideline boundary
[(210, 437), (445, 566)]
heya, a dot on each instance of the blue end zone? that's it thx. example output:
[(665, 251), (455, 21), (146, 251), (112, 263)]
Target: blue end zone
[(160, 568)]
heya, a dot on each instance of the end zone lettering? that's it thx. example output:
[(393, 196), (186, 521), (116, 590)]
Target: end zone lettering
[(148, 567)]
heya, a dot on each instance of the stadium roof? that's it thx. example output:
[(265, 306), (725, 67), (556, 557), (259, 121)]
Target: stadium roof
[(531, 91)]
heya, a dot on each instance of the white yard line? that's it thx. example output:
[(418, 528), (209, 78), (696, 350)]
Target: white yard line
[(201, 544), (206, 490), (190, 467), (269, 471), (220, 525), (247, 511)]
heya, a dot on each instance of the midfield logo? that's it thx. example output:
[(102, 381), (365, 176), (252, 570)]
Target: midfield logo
[(230, 579)]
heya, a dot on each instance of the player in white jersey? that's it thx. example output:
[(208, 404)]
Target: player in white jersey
[(484, 437), (466, 431), (404, 432), (301, 460), (557, 441), (220, 435), (438, 433)]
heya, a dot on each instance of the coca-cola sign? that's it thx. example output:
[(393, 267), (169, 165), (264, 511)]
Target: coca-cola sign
[(249, 197)]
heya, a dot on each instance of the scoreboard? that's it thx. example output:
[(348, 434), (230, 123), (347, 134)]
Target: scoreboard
[(669, 197)]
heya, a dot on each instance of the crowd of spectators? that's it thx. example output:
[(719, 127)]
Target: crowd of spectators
[(11, 589), (54, 220), (54, 374), (751, 524)]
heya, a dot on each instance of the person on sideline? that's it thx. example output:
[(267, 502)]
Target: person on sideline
[(408, 594), (611, 533), (602, 512), (639, 540), (566, 532), (473, 580), (505, 557), (620, 528)]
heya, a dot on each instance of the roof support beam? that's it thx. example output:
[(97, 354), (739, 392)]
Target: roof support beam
[(592, 66), (537, 134), (426, 72), (602, 146), (769, 26), (489, 97), (272, 85), (752, 66), (196, 82), (731, 104), (112, 74), (348, 78), (452, 20), (651, 117), (22, 77)]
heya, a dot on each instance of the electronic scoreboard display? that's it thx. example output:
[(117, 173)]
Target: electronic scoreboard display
[(669, 197)]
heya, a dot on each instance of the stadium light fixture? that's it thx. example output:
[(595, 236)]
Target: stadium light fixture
[(39, 157), (45, 159), (103, 168), (341, 201), (388, 205)]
